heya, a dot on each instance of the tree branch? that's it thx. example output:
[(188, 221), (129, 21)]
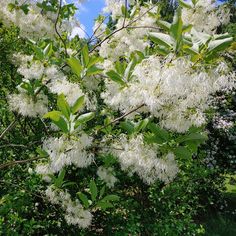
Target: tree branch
[(12, 163), (56, 29)]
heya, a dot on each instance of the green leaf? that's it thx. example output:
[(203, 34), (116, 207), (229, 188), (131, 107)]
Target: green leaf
[(141, 125), (102, 191), (129, 70), (63, 106), (93, 190), (85, 55), (177, 26), (127, 126), (11, 6), (77, 105), (56, 118), (215, 46), (41, 152), (104, 205), (59, 180), (120, 67), (111, 198), (68, 183), (84, 118), (115, 77), (62, 124), (193, 137), (182, 153), (48, 50), (38, 52), (53, 115), (164, 25), (25, 8), (84, 199), (75, 66), (190, 51), (185, 4), (94, 60), (162, 39), (124, 11), (93, 70), (159, 132)]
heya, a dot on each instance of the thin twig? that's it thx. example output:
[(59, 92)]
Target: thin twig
[(126, 114), (121, 117), (55, 27), (13, 123), (12, 163), (13, 145)]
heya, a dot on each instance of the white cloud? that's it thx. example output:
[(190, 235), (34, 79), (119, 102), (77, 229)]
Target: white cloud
[(80, 31)]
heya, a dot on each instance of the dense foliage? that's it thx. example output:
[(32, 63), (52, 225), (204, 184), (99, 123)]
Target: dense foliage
[(128, 132)]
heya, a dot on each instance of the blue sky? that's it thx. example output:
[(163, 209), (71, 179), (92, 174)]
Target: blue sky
[(88, 11)]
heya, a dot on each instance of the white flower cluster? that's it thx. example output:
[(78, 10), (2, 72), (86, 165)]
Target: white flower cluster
[(64, 152), (27, 67), (57, 83), (26, 105), (106, 175), (131, 38), (32, 25), (114, 7), (174, 92), (204, 16), (137, 157), (55, 80), (75, 214)]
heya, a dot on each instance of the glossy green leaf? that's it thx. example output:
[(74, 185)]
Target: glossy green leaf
[(84, 199), (84, 118), (141, 125), (115, 77), (182, 153), (63, 106), (59, 180), (75, 66), (185, 4), (53, 115), (77, 105), (177, 26), (111, 197), (159, 132), (93, 70), (93, 190), (104, 205), (164, 25), (85, 55), (162, 39), (219, 44), (200, 137)]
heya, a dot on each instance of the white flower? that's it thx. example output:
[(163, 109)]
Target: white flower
[(205, 17), (74, 211), (140, 158), (63, 152), (106, 175), (172, 92), (26, 106), (32, 25), (71, 90)]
